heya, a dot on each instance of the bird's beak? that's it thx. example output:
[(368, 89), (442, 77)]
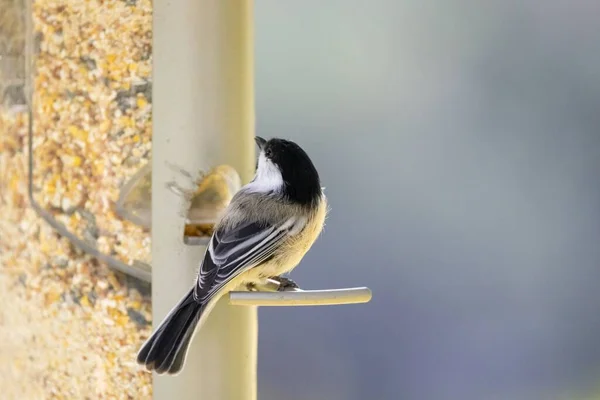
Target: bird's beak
[(260, 142)]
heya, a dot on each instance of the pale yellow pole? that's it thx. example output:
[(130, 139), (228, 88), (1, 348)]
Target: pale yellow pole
[(203, 116)]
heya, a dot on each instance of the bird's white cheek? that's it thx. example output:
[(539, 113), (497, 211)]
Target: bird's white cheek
[(268, 177)]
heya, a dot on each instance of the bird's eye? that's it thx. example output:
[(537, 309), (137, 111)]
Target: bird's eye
[(268, 153)]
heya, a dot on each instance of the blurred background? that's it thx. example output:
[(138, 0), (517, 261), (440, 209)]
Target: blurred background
[(459, 144)]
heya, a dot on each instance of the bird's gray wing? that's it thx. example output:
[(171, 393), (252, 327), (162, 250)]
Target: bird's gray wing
[(233, 251)]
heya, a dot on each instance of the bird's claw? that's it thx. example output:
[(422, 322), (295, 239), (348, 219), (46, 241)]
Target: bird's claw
[(285, 283)]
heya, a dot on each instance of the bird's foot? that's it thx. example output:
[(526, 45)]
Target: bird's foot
[(285, 283), (251, 287)]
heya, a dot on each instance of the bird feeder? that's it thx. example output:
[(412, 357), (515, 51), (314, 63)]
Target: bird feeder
[(200, 93)]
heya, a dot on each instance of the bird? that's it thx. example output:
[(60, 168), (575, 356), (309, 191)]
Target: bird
[(265, 231)]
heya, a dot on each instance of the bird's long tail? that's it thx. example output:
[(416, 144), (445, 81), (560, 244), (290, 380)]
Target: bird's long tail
[(166, 349)]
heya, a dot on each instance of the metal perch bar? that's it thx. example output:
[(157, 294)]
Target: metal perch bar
[(268, 295)]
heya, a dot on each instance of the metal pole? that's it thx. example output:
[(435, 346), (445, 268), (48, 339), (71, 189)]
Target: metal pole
[(203, 116)]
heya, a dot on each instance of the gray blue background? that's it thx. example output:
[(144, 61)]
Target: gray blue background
[(459, 142)]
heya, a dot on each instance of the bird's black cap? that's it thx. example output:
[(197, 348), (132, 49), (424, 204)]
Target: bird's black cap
[(301, 179)]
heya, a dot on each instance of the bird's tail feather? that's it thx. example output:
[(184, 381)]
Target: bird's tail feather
[(166, 349)]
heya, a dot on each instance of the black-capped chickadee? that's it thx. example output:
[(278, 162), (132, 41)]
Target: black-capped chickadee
[(267, 228)]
